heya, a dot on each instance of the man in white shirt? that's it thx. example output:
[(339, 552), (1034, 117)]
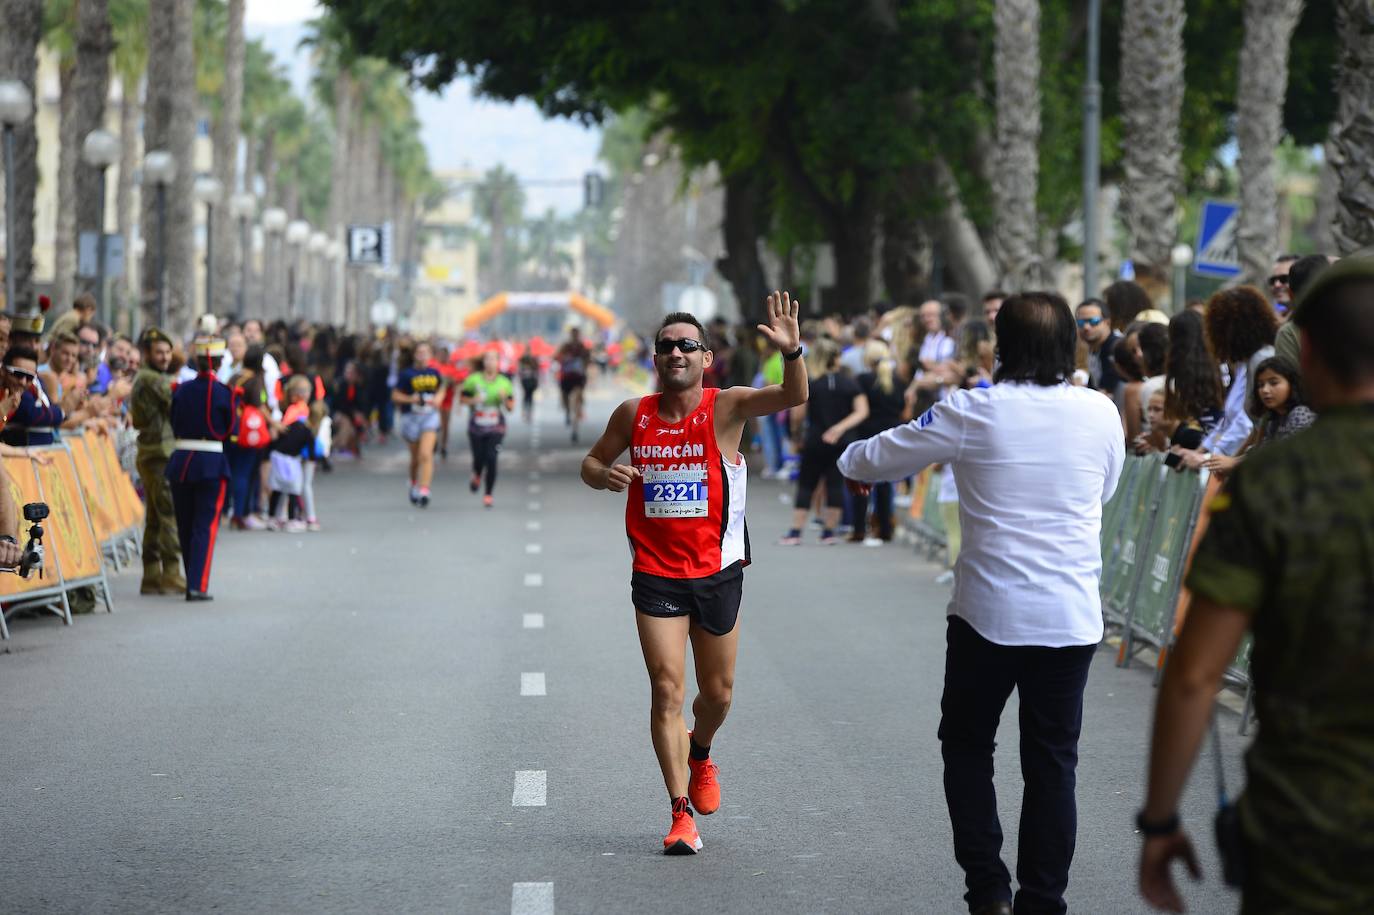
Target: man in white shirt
[(1035, 458)]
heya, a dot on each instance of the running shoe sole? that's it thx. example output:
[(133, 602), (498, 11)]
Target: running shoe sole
[(423, 502), (682, 848)]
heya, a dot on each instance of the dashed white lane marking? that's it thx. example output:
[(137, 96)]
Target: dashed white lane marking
[(534, 580), (531, 899), (533, 526), (533, 621), (531, 788), (532, 684), (535, 489), (534, 549), (536, 506), (534, 476)]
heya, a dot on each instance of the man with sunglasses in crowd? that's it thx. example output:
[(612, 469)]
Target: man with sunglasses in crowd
[(1279, 292), (685, 520), (1096, 331), (36, 419)]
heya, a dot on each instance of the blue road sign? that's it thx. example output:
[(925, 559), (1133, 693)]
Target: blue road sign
[(1216, 241)]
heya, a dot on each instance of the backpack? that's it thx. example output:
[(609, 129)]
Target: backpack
[(253, 430)]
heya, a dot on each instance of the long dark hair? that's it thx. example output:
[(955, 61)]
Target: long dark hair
[(1193, 388), (1036, 339), (1297, 397)]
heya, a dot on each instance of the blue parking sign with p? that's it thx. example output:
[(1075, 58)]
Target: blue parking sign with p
[(1217, 255)]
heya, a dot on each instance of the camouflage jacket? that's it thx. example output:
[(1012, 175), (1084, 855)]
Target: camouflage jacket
[(150, 407)]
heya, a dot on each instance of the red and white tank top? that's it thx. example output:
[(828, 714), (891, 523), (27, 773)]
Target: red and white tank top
[(685, 516)]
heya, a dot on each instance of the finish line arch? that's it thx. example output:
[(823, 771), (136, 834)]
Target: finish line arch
[(539, 301)]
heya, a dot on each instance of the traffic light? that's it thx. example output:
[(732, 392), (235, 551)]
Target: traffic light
[(593, 190)]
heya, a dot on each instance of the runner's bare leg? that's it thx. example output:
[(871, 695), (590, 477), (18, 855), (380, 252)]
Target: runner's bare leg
[(664, 642), (714, 656)]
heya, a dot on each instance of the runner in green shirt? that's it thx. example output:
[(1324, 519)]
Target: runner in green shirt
[(1289, 556), (489, 395)]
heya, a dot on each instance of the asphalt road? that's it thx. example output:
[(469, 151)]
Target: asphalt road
[(344, 729)]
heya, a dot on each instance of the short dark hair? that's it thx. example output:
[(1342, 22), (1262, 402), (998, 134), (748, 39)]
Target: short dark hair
[(682, 317), (1036, 339), (994, 294), (1094, 302), (956, 303), (1125, 300), (1338, 318), (1304, 271), (20, 352)]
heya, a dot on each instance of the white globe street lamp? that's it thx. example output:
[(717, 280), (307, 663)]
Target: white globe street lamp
[(100, 150), (208, 190), (160, 168), (243, 207), (16, 107), (274, 221), (297, 234), (1180, 256)]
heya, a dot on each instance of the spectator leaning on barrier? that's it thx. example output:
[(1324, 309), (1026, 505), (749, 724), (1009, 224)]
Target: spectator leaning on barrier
[(150, 407), (1279, 391), (1035, 458), (1287, 556), (36, 419)]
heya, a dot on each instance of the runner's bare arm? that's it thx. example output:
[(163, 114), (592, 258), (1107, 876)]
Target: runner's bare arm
[(742, 403), (599, 470)]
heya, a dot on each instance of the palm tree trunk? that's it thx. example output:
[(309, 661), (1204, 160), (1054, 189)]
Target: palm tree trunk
[(128, 164), (1017, 156), (23, 27), (225, 268), (1263, 84), (1354, 127), (64, 245), (169, 124), (1152, 152), (90, 89), (1324, 218)]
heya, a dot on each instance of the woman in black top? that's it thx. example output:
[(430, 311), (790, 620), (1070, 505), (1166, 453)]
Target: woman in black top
[(835, 408), (886, 401)]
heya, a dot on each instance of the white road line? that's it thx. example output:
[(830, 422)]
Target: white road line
[(534, 476), (531, 788), (535, 489), (534, 549), (535, 506), (533, 621), (531, 899), (534, 580), (532, 684), (533, 526)]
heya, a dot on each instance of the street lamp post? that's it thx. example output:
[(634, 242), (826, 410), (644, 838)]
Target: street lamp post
[(16, 107), (297, 234), (208, 191), (243, 206), (333, 258), (161, 169), (1180, 256), (100, 150), (273, 224), (316, 246)]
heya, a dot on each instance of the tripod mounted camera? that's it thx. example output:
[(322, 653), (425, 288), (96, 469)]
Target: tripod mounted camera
[(34, 513)]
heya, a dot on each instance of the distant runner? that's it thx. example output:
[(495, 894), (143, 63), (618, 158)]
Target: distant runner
[(573, 357), (419, 391), (529, 381), (685, 520), (491, 397)]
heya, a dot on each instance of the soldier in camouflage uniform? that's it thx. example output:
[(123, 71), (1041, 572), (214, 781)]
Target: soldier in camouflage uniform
[(1289, 556), (150, 410)]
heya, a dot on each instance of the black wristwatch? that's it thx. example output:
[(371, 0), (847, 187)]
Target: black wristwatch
[(8, 539), (1153, 830), (792, 357)]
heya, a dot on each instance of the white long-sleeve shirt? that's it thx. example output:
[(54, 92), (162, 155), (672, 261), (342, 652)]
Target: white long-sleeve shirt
[(1034, 465)]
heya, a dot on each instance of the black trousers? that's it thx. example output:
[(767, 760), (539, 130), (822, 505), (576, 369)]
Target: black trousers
[(819, 464), (979, 676), (486, 448), (882, 510)]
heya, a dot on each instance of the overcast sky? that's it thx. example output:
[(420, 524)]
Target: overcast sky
[(459, 130)]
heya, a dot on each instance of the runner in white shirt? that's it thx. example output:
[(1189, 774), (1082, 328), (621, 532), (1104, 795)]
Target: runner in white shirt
[(1034, 458)]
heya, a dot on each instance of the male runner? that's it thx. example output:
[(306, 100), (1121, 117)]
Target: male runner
[(685, 520), (573, 357)]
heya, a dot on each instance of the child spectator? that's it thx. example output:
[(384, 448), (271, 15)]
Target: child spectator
[(294, 452), (1277, 389)]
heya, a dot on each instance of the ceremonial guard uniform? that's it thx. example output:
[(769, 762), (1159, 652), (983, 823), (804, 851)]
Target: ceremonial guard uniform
[(202, 416), (150, 411)]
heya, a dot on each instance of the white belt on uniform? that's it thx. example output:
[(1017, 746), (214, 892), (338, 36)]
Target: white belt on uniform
[(199, 444)]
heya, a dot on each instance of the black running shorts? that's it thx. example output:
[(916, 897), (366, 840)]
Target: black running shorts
[(712, 602), (569, 383)]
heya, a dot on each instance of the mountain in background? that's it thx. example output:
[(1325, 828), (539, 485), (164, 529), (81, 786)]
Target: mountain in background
[(460, 131)]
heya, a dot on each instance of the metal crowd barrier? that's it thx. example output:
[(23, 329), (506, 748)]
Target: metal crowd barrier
[(922, 524)]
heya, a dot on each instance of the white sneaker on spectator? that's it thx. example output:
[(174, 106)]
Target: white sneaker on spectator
[(945, 577), (312, 525), (273, 524), (253, 523), (295, 526), (874, 541), (902, 500)]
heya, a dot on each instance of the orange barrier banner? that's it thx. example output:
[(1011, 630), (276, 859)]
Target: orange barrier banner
[(23, 488), (121, 487), (97, 492), (71, 539), (918, 492)]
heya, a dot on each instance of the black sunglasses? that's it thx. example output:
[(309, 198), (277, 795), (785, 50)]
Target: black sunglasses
[(666, 345), (1278, 280), (20, 373)]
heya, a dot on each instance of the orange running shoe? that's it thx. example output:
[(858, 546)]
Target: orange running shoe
[(703, 789), (683, 838)]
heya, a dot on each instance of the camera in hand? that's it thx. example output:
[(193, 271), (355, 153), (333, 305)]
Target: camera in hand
[(34, 513)]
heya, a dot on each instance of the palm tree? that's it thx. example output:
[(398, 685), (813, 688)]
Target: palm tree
[(498, 203), (90, 88), (23, 28), (1354, 127), (59, 34), (225, 267), (1016, 178), (1151, 102), (550, 263), (169, 123), (129, 20), (1269, 27)]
